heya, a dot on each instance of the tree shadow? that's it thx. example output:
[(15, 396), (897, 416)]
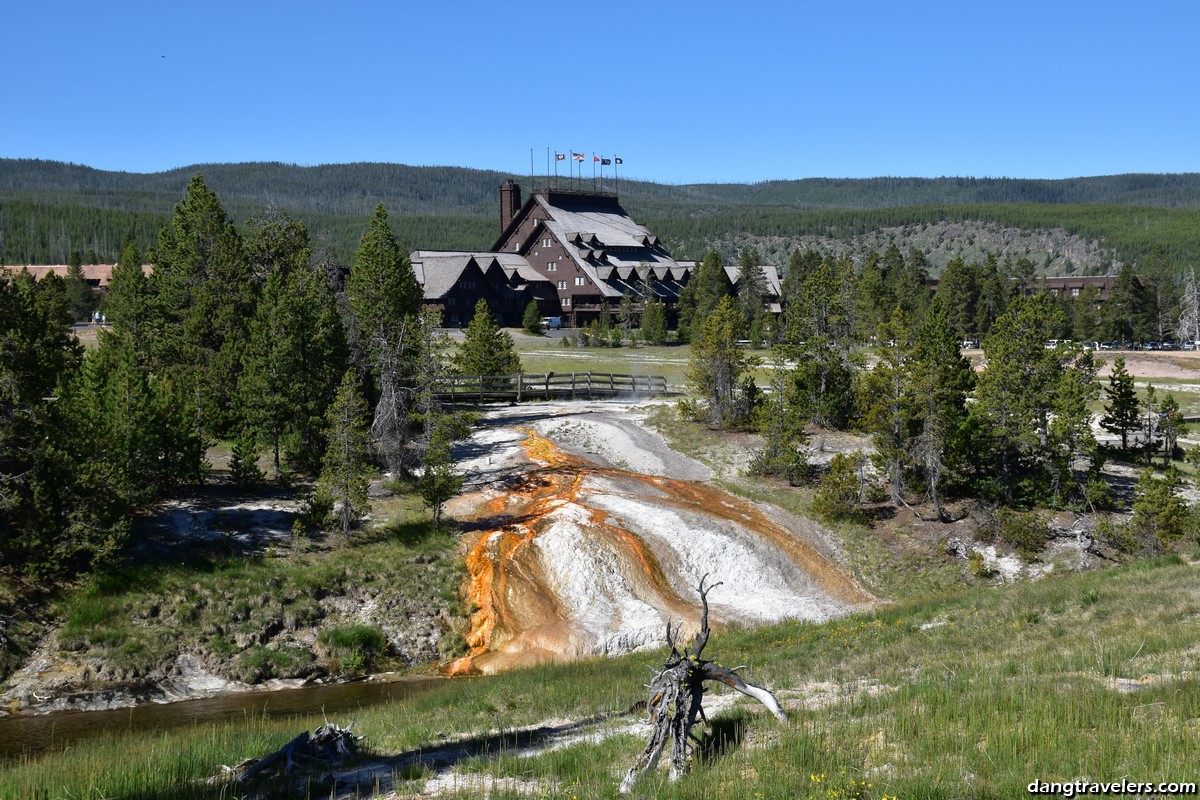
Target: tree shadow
[(724, 734)]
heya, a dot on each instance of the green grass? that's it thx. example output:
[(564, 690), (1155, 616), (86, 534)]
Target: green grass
[(970, 695), (542, 355), (137, 616)]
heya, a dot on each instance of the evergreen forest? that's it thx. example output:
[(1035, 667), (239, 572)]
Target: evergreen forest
[(49, 209)]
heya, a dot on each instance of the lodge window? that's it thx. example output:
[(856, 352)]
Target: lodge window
[(1074, 293), (566, 303), (551, 266), (562, 285), (581, 281)]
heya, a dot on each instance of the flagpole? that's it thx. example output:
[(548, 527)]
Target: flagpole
[(593, 170), (617, 174)]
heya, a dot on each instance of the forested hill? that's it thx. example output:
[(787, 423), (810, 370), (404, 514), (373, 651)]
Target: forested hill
[(49, 209), (356, 188)]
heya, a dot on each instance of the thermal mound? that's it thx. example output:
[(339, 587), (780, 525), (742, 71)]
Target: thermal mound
[(573, 559)]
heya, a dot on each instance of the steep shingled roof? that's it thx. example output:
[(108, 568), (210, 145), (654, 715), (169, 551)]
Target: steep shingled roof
[(437, 270)]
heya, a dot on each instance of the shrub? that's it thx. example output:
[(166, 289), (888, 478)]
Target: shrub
[(1023, 531), (838, 491), (979, 566), (355, 646), (1159, 513)]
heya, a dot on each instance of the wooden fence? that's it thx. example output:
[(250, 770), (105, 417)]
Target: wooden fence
[(550, 386)]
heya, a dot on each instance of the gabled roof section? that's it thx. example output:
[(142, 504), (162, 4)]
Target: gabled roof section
[(438, 270), (774, 288)]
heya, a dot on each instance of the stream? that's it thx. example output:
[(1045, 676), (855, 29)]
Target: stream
[(35, 734)]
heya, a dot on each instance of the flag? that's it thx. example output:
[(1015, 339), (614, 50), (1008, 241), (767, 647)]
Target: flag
[(595, 158), (560, 156), (577, 156), (604, 162), (618, 159)]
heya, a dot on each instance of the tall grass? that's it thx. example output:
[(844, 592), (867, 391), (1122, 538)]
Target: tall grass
[(972, 695)]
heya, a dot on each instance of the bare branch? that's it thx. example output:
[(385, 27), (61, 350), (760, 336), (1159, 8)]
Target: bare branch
[(712, 672), (675, 698), (702, 635)]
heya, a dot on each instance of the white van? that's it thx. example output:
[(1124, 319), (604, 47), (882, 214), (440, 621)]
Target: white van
[(552, 323)]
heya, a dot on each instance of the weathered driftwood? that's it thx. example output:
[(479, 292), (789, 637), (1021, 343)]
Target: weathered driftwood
[(327, 747), (676, 699)]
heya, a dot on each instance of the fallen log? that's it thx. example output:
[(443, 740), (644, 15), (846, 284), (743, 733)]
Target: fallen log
[(676, 697), (328, 747)]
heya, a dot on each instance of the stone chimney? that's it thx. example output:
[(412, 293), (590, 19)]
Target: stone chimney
[(510, 203)]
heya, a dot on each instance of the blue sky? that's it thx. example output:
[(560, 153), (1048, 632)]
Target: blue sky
[(683, 92)]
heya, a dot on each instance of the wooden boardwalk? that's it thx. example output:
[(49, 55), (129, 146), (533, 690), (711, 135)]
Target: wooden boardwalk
[(549, 386)]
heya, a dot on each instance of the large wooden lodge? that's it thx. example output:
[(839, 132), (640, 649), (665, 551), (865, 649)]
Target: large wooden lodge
[(576, 253)]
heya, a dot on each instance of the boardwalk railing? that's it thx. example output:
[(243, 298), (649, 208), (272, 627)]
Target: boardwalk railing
[(550, 386)]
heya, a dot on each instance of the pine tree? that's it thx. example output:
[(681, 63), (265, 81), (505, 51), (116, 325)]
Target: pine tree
[(1069, 434), (127, 303), (782, 429), (1032, 404), (1170, 426), (1125, 311), (840, 489), (751, 287), (718, 365), (1122, 413), (532, 320), (817, 333), (438, 482), (382, 288), (706, 287), (80, 299), (346, 464), (887, 413), (486, 349), (202, 300), (940, 379), (654, 322), (296, 352), (1159, 513)]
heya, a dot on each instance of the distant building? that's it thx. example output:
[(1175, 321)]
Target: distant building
[(96, 275), (576, 253), (1070, 286), (1074, 286)]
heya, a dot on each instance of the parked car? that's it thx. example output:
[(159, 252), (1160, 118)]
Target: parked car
[(552, 323)]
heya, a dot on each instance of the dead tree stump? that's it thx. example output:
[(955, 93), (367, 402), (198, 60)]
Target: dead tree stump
[(327, 747), (676, 698)]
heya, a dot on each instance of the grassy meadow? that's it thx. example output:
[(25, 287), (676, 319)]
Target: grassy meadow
[(1089, 676)]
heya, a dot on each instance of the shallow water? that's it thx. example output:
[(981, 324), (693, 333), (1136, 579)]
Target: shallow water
[(34, 735)]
